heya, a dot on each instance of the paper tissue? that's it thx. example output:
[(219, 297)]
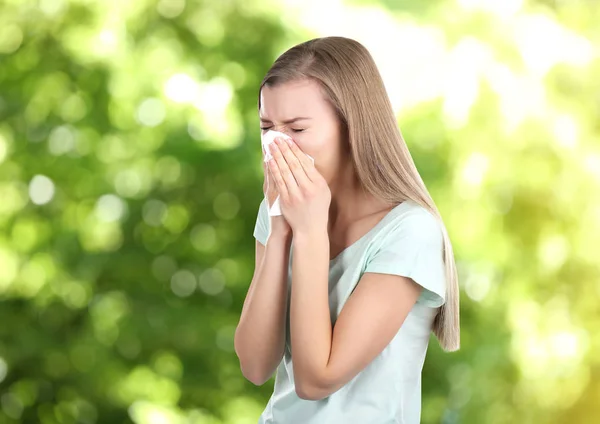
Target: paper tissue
[(268, 138)]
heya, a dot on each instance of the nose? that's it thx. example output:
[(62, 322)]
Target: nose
[(283, 130)]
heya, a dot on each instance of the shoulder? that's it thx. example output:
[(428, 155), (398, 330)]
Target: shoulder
[(416, 222)]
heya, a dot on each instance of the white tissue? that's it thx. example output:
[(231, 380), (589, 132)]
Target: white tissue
[(266, 139)]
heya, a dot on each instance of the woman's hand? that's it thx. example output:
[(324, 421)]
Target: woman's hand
[(279, 225), (305, 195)]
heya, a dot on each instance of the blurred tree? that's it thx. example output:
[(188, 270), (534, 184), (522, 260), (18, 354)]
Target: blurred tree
[(126, 248)]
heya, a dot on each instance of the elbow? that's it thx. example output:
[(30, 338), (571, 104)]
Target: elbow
[(316, 387), (257, 372), (255, 375), (256, 378), (310, 392), (302, 393), (250, 371), (257, 381)]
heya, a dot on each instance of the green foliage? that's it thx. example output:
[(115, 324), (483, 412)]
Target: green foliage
[(130, 180)]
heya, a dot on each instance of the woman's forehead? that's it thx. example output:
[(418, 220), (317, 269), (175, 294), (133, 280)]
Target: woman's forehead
[(291, 100)]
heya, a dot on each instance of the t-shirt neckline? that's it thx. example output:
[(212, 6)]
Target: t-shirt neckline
[(368, 233)]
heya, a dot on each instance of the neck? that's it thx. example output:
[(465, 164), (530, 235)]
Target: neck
[(347, 197)]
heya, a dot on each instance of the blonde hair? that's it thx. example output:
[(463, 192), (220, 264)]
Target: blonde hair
[(352, 84)]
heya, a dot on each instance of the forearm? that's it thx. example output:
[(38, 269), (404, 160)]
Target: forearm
[(260, 335), (310, 322)]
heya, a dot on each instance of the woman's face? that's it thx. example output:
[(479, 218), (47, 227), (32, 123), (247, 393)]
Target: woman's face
[(299, 109)]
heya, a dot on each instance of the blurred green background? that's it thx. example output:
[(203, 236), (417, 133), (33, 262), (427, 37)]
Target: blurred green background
[(130, 179)]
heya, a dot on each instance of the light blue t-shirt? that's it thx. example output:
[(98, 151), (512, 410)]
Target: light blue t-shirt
[(406, 242)]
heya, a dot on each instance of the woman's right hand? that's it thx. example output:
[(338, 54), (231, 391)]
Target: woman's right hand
[(279, 225)]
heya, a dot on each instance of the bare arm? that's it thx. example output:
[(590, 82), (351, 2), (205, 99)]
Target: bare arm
[(325, 357), (260, 335)]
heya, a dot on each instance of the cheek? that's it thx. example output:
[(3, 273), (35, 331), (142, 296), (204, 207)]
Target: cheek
[(313, 144), (303, 142)]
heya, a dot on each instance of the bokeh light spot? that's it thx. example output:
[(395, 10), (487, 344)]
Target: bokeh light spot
[(41, 189), (181, 88), (3, 369), (183, 283), (170, 8), (203, 237), (226, 205), (212, 281), (153, 212), (110, 208), (225, 337), (3, 148), (151, 112), (11, 37), (61, 140)]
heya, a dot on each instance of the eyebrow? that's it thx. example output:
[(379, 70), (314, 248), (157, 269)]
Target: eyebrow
[(288, 121)]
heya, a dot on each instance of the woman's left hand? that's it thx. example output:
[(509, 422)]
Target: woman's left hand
[(304, 193)]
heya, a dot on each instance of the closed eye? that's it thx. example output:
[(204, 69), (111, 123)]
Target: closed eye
[(296, 130)]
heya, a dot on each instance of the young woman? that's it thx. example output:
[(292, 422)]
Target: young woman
[(358, 270)]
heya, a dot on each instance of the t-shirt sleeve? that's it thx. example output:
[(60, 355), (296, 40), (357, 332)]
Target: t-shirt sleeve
[(414, 249), (261, 228)]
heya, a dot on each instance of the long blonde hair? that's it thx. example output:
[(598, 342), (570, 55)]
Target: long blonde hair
[(351, 82)]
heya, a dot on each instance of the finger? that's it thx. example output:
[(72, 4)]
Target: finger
[(265, 171), (294, 162), (271, 179), (286, 173), (277, 177), (306, 163)]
